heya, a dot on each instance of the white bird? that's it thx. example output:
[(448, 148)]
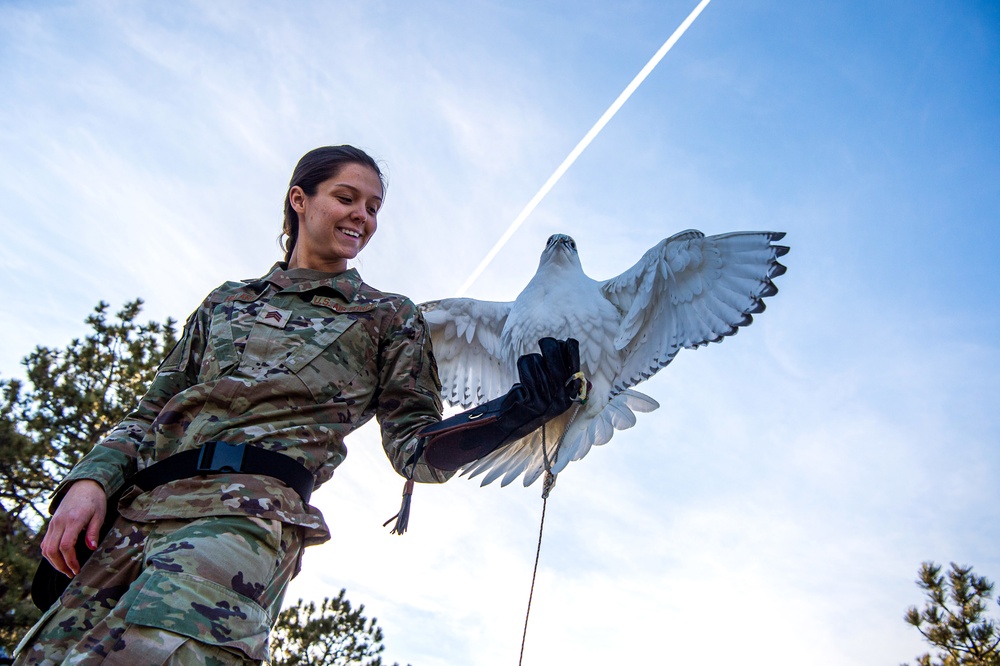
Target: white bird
[(686, 291)]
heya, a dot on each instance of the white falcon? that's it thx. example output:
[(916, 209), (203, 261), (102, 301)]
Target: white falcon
[(686, 291)]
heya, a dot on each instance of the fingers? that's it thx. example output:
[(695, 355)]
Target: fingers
[(532, 374), (562, 361), (94, 530), (562, 357), (82, 509), (573, 354), (546, 378), (555, 375), (67, 550), (50, 548), (59, 547), (552, 356), (576, 383)]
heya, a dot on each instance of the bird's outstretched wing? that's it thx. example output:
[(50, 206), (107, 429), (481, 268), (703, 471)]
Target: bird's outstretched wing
[(687, 291), (466, 338)]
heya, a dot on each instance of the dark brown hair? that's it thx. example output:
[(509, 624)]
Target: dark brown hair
[(315, 167)]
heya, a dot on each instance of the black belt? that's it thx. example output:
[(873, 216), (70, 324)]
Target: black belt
[(221, 457), (212, 458)]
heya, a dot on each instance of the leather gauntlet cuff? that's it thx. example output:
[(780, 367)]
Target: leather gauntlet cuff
[(465, 437), (550, 381)]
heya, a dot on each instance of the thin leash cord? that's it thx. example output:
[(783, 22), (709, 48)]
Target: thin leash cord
[(547, 484), (534, 573)]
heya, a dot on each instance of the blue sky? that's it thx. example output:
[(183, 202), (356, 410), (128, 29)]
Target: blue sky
[(778, 504)]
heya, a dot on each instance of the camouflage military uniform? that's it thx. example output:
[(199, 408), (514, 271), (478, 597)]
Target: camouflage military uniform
[(291, 362)]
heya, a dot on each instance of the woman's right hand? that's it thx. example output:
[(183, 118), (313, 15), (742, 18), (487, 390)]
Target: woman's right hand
[(82, 508)]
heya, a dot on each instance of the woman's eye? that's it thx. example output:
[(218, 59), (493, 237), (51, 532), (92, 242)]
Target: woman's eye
[(345, 200), (372, 210)]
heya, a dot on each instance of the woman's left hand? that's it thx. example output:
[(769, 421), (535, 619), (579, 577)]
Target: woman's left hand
[(82, 508)]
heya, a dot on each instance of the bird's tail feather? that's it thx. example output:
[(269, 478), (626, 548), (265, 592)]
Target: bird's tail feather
[(618, 414), (639, 402), (527, 455)]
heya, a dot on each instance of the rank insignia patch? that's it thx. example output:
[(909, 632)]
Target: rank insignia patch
[(272, 316)]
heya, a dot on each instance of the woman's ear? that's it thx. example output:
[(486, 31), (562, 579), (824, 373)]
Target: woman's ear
[(297, 198)]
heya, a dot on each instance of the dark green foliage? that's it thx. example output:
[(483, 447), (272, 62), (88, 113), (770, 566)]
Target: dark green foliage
[(332, 635), (71, 398), (954, 619)]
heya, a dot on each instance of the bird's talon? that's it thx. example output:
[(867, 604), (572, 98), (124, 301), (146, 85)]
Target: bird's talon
[(581, 396)]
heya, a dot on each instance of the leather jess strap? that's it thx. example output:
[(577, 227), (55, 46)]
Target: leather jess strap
[(222, 457)]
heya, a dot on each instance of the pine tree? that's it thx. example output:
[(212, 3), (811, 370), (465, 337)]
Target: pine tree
[(71, 398), (332, 634), (954, 618)]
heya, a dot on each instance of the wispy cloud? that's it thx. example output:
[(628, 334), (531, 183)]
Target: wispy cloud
[(795, 475)]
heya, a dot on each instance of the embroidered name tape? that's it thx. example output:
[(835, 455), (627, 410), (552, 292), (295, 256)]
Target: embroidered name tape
[(327, 302), (246, 298)]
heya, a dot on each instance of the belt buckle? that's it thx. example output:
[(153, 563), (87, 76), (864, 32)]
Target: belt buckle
[(220, 457)]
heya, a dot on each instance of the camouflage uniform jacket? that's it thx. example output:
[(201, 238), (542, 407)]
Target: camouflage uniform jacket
[(291, 362)]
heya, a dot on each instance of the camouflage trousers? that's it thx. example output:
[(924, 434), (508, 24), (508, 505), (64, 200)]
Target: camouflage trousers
[(198, 591)]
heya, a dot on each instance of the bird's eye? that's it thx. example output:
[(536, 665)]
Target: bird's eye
[(572, 244), (550, 241)]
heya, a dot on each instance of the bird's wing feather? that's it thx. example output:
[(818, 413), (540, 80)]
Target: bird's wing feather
[(529, 454), (525, 455), (687, 291), (466, 338)]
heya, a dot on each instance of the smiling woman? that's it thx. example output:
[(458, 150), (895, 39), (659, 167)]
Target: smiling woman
[(212, 473), (332, 203)]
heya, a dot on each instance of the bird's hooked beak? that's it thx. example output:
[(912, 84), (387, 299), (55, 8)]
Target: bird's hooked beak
[(561, 242), (559, 250)]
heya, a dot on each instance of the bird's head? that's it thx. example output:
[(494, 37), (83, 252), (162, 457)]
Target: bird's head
[(560, 249)]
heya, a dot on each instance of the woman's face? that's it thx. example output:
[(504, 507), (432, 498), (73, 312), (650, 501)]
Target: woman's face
[(337, 221)]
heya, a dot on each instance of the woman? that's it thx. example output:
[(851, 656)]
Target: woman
[(244, 417)]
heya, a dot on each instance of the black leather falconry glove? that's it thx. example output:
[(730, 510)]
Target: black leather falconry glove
[(549, 383)]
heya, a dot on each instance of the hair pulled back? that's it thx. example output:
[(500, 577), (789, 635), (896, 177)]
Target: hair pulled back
[(315, 167)]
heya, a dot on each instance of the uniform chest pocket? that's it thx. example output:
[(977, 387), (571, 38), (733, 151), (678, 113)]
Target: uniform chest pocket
[(220, 350), (333, 357)]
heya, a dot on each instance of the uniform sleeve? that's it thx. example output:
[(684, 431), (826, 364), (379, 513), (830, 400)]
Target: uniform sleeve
[(113, 460), (409, 392)]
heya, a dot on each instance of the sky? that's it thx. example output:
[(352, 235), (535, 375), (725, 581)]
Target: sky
[(777, 506)]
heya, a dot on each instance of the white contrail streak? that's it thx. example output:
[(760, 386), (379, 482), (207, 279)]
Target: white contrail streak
[(584, 142)]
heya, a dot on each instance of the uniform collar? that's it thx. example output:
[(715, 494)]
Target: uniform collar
[(302, 280)]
